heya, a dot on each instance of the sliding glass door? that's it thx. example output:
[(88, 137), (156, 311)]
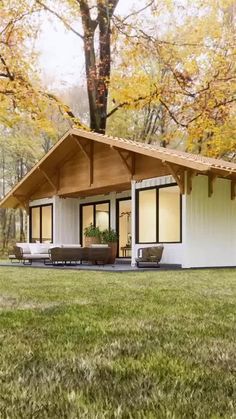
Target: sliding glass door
[(41, 224), (97, 214)]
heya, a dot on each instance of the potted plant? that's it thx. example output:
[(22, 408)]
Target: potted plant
[(92, 235), (110, 237)]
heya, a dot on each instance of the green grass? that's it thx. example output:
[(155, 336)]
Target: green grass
[(103, 345)]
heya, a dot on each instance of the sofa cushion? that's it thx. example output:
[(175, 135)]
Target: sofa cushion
[(99, 246), (70, 246), (24, 246), (36, 256), (38, 248)]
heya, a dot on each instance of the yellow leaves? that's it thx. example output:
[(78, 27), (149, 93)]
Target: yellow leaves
[(189, 74)]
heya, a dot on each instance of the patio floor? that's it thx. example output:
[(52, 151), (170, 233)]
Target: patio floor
[(123, 265)]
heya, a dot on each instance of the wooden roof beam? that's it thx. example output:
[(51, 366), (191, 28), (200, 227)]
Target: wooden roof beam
[(50, 181), (85, 150), (178, 176), (91, 160), (128, 159), (88, 151), (23, 201)]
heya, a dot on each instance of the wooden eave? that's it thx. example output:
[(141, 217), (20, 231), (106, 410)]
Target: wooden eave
[(47, 170)]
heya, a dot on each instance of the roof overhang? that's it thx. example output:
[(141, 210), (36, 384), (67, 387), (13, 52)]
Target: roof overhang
[(23, 190)]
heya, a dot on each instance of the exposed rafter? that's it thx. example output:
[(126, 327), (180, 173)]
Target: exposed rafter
[(128, 159), (23, 201), (88, 151), (48, 178)]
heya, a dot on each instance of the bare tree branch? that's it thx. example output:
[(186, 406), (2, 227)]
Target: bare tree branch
[(66, 24), (136, 12)]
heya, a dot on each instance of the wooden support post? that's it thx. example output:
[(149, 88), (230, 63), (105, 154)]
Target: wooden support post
[(233, 189), (132, 164), (211, 179), (91, 153), (190, 176), (178, 176)]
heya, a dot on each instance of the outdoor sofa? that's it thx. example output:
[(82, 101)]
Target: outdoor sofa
[(67, 255), (149, 255), (28, 252), (55, 254)]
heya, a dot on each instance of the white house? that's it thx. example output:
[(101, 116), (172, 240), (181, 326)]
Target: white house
[(149, 194)]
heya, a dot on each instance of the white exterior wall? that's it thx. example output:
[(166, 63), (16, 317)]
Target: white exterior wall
[(66, 220), (210, 236)]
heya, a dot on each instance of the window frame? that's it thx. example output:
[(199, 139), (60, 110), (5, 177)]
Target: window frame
[(118, 200), (40, 221), (93, 204), (156, 188)]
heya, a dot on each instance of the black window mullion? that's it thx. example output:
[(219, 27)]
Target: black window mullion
[(40, 224), (137, 215), (30, 225), (94, 215), (157, 215)]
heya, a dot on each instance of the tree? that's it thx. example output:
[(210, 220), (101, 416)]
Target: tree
[(21, 93), (187, 79), (94, 17)]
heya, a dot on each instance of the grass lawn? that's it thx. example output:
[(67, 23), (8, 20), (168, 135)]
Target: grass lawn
[(102, 345)]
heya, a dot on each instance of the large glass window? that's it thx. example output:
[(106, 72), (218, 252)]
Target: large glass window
[(35, 224), (159, 215), (147, 216), (169, 214), (41, 224), (46, 221), (96, 213), (102, 216)]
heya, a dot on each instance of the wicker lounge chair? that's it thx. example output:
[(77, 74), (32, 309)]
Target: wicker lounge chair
[(149, 255)]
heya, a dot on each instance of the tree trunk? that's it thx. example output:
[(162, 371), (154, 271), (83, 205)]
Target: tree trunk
[(97, 73)]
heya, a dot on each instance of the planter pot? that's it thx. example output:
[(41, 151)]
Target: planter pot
[(113, 247), (91, 240)]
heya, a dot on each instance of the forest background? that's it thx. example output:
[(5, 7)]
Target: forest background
[(157, 71)]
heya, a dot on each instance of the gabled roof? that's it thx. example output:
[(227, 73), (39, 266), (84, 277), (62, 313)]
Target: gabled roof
[(197, 163)]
